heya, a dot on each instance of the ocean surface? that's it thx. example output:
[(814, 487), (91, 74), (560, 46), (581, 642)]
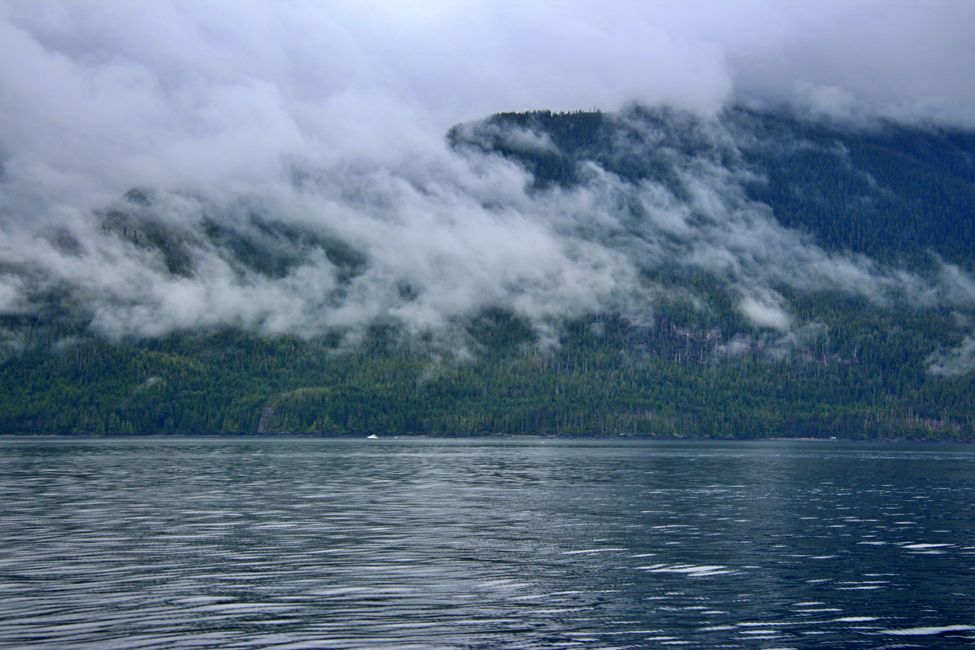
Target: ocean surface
[(485, 543)]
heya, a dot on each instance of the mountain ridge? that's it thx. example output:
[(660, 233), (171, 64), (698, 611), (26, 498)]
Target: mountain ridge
[(751, 275)]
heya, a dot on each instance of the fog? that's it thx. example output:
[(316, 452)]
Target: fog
[(329, 120)]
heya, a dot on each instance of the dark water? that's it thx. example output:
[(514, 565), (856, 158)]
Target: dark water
[(485, 543)]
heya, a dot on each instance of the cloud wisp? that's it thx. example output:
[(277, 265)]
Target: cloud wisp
[(301, 182)]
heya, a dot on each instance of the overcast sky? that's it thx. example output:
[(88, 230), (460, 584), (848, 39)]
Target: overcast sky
[(104, 94), (226, 99)]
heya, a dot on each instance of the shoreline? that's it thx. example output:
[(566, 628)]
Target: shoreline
[(467, 436)]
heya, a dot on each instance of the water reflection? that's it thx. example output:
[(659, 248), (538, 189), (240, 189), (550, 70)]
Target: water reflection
[(484, 543)]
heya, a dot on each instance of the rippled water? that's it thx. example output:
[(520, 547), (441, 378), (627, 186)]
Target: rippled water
[(484, 543)]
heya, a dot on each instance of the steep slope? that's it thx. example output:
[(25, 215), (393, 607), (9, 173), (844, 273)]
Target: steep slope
[(885, 190), (658, 273)]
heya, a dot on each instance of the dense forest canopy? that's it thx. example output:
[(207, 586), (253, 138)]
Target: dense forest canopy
[(648, 272)]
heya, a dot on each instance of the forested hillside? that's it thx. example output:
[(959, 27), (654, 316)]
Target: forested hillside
[(789, 277), (889, 191)]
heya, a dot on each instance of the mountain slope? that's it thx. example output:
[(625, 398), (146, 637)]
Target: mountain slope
[(750, 275)]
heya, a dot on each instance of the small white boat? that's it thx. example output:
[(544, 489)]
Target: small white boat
[(371, 436)]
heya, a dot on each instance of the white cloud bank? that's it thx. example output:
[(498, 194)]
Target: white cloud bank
[(331, 117)]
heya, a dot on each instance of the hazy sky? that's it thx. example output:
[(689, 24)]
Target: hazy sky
[(224, 100), (116, 92)]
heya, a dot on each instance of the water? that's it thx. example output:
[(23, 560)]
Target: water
[(485, 543)]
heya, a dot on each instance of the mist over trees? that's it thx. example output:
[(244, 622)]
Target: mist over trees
[(648, 272)]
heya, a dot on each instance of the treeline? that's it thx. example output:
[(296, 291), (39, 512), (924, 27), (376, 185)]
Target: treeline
[(866, 378)]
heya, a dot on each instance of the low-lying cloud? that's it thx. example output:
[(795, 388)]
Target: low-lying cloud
[(954, 362), (302, 183)]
